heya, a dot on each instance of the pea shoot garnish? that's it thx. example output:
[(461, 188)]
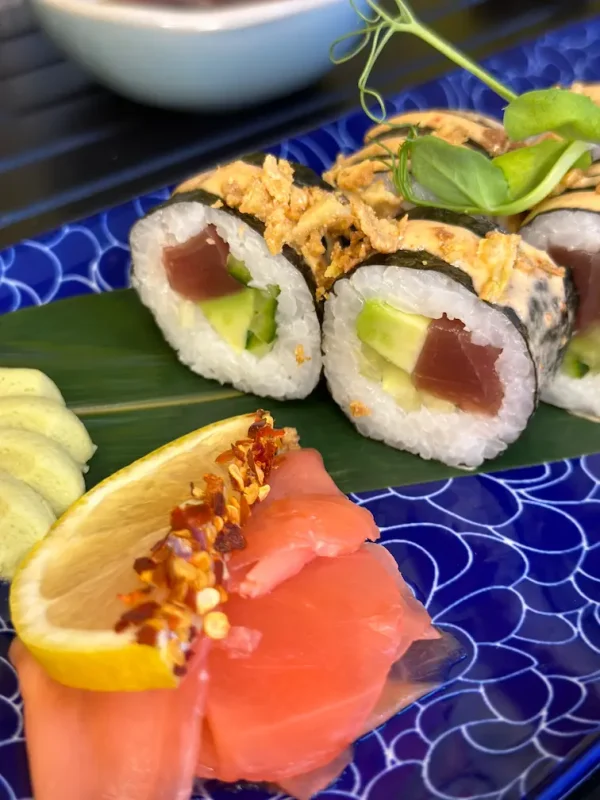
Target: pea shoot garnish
[(564, 123)]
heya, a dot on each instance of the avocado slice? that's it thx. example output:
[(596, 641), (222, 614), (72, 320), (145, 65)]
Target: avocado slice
[(231, 316), (370, 364), (262, 331), (397, 336), (436, 404), (572, 366), (238, 270), (245, 320), (263, 324), (394, 381), (398, 383), (257, 347), (585, 348)]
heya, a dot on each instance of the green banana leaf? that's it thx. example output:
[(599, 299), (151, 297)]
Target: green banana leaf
[(119, 375)]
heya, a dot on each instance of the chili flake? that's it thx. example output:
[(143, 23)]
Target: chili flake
[(182, 577)]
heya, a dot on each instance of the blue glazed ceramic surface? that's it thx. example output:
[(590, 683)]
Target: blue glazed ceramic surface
[(509, 563)]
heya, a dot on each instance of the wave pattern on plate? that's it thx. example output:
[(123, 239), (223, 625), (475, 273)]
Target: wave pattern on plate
[(510, 564), (528, 691)]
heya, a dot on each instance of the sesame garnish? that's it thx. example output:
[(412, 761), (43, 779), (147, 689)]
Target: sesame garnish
[(197, 493), (207, 600), (182, 578), (358, 409), (216, 625), (236, 477)]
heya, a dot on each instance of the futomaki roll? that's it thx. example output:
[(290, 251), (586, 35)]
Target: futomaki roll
[(440, 348), (368, 171), (567, 225), (232, 308)]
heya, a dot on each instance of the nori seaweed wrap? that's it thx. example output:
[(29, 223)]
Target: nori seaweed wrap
[(567, 225), (232, 308), (441, 348)]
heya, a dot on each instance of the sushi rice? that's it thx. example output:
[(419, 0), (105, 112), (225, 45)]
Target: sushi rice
[(457, 438), (277, 374), (577, 230), (508, 295)]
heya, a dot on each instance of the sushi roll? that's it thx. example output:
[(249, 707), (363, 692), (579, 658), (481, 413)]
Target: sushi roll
[(441, 348), (591, 90), (234, 307), (567, 225), (368, 171)]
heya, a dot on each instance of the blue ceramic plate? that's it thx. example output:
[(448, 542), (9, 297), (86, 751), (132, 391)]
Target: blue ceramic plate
[(510, 563)]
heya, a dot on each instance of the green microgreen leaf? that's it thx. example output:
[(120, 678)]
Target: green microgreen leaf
[(457, 175), (574, 153), (405, 184), (526, 167), (584, 162), (461, 179), (466, 181), (560, 111)]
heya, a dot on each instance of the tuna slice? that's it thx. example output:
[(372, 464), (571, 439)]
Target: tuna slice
[(197, 269), (328, 638), (112, 746), (585, 268), (452, 368), (289, 532)]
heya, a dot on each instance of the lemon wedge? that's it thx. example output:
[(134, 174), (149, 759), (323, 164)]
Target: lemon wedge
[(64, 599), (28, 382), (44, 465), (25, 518), (51, 419)]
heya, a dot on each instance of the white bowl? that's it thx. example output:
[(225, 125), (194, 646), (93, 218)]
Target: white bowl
[(199, 58)]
